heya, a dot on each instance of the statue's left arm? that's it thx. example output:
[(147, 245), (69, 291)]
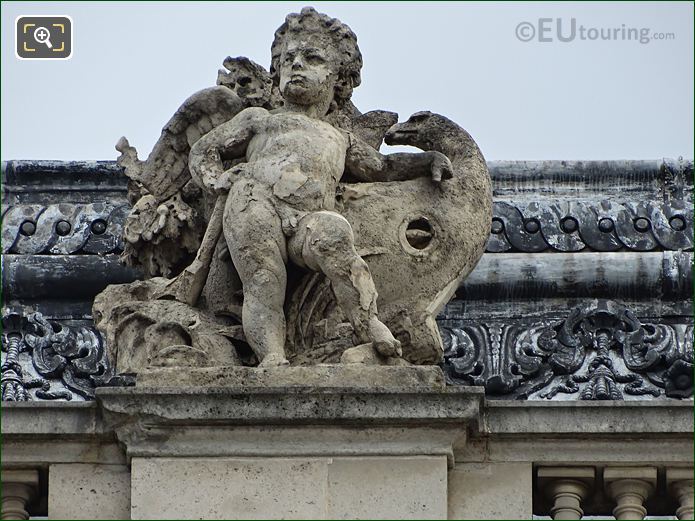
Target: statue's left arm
[(368, 164), (229, 140)]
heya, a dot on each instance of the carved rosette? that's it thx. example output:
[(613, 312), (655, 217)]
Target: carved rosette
[(600, 351)]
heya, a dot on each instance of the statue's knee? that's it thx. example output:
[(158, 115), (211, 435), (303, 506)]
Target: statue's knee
[(333, 235)]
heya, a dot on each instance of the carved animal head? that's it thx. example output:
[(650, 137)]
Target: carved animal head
[(249, 80), (424, 130)]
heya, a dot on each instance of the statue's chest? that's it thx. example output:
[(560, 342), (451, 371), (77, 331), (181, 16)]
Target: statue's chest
[(304, 131)]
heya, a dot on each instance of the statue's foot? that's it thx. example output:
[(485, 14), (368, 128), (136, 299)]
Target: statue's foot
[(382, 339), (273, 360)]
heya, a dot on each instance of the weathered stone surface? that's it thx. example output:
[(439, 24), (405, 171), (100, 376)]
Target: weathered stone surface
[(628, 433), (291, 404), (601, 417), (83, 491), (387, 488), (490, 491), (224, 488), (351, 377), (55, 419), (38, 433), (291, 421), (289, 488)]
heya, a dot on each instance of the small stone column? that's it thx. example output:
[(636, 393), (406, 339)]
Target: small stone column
[(680, 484), (568, 487), (18, 487), (630, 487)]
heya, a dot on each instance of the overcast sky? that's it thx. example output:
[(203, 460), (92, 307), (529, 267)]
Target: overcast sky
[(134, 63)]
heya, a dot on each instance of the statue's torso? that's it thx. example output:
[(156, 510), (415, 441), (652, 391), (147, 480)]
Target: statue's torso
[(300, 158)]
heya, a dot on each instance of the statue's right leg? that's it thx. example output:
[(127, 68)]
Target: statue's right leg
[(257, 245)]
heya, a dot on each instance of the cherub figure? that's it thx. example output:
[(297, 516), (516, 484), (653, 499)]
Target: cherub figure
[(280, 205)]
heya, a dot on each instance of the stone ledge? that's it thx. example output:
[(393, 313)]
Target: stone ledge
[(36, 434), (50, 419), (296, 406), (409, 413), (639, 418)]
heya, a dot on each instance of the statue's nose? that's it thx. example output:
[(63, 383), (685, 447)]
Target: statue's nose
[(298, 63)]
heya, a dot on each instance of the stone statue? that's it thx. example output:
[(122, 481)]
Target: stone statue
[(310, 245)]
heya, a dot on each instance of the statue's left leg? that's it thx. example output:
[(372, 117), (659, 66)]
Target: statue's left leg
[(325, 243)]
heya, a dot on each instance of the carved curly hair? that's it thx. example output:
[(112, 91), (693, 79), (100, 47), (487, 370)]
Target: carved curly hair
[(310, 21)]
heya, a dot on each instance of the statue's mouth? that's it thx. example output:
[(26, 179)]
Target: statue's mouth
[(399, 136)]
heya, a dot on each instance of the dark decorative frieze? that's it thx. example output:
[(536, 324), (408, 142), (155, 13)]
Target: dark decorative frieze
[(55, 358), (601, 351), (603, 226), (533, 227), (64, 228)]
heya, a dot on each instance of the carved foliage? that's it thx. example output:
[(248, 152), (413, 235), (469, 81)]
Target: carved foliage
[(601, 351), (70, 357)]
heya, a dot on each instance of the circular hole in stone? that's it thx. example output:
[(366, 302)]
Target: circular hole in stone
[(677, 222), (497, 226), (98, 226), (419, 233), (641, 224), (569, 224), (606, 225), (27, 228), (63, 228), (532, 225)]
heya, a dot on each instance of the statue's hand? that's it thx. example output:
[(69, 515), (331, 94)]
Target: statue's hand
[(441, 167), (224, 182)]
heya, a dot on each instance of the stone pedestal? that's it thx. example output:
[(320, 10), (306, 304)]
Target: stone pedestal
[(475, 490), (340, 442), (88, 491)]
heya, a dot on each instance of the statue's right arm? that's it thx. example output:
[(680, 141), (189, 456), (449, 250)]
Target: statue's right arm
[(369, 165), (227, 141)]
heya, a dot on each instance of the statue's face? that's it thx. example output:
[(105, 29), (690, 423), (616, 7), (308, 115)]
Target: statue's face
[(307, 75)]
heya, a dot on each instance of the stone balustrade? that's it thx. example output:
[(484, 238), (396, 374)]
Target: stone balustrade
[(570, 489), (19, 487), (680, 484)]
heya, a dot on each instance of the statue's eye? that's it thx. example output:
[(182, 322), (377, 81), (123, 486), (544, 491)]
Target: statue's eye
[(416, 118), (315, 58), (244, 81)]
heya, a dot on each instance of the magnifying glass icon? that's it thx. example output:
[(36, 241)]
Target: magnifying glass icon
[(43, 35)]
